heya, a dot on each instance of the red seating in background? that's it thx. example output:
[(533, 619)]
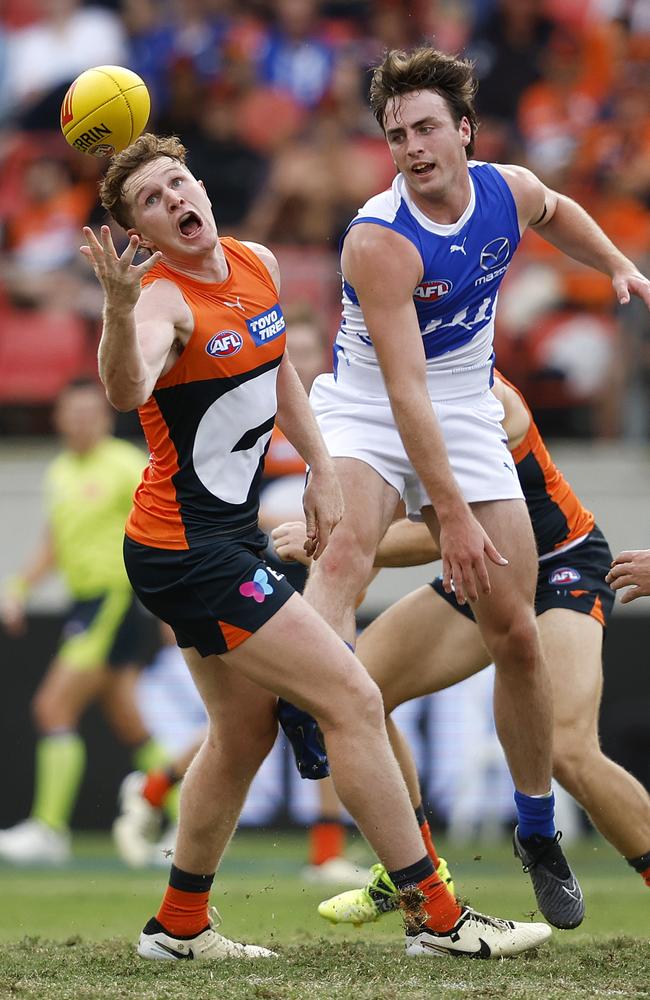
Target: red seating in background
[(39, 353)]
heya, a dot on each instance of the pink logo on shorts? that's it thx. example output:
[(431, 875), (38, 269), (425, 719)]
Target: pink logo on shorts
[(258, 588)]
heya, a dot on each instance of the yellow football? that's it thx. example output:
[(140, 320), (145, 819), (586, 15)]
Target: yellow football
[(105, 110)]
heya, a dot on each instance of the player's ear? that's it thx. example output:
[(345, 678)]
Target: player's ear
[(145, 244), (465, 130), (204, 188)]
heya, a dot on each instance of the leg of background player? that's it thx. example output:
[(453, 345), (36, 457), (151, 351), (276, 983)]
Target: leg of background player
[(617, 803)]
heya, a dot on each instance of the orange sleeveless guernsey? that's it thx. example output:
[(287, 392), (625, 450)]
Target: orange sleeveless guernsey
[(209, 420)]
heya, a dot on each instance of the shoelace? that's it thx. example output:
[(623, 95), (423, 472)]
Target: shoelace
[(376, 888), (482, 918), (543, 853), (214, 917)]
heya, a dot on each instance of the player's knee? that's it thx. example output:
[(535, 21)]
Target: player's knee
[(45, 713), (345, 562), (358, 703), (516, 646), (244, 746)]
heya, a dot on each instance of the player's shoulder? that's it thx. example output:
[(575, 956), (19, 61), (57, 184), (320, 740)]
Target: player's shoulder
[(267, 258), (383, 206), (522, 182)]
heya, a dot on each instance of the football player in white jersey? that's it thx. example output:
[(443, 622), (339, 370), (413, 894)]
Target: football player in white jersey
[(408, 412)]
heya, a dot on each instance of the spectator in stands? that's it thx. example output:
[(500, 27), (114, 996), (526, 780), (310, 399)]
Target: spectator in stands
[(507, 48), (231, 169), (44, 57), (41, 239), (88, 493), (295, 54)]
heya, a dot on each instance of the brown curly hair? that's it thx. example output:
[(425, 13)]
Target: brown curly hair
[(148, 147), (426, 68)]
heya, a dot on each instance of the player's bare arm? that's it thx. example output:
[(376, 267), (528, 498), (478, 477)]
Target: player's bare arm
[(322, 499), (565, 224), (384, 268), (140, 327), (15, 590), (631, 569)]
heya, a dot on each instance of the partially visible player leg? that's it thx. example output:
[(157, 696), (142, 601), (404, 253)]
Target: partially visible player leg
[(418, 645), (336, 579), (617, 803), (58, 705), (523, 708), (327, 863), (242, 731), (138, 823)]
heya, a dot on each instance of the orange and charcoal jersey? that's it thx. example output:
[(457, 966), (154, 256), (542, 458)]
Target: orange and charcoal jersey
[(558, 518), (209, 419)]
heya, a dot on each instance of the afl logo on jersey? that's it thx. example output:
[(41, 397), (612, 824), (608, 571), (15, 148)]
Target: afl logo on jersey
[(495, 253), (224, 343), (431, 291), (564, 576)]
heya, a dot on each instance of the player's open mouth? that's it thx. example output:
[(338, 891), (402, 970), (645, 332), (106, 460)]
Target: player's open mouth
[(189, 224), (423, 168)]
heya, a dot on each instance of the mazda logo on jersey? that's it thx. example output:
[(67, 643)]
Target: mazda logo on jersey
[(564, 576), (431, 291), (495, 253), (224, 343)]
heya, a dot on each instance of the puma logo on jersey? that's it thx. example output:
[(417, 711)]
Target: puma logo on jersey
[(235, 305), (459, 246)]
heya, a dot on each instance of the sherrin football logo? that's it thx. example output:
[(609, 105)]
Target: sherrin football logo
[(224, 343), (431, 291), (563, 576)]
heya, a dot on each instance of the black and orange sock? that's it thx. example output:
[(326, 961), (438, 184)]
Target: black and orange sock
[(326, 841), (642, 866), (425, 830), (184, 910), (157, 785), (424, 897)]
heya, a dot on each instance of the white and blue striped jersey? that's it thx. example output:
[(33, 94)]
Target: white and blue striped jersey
[(463, 266)]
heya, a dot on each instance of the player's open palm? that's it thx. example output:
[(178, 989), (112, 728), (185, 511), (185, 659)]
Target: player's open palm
[(118, 275), (464, 544)]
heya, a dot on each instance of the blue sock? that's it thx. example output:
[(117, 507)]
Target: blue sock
[(535, 815), (350, 646)]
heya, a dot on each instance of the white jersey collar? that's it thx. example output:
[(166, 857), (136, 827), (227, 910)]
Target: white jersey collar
[(438, 228)]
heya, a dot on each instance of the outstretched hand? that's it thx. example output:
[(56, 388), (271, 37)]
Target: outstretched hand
[(119, 276), (631, 283)]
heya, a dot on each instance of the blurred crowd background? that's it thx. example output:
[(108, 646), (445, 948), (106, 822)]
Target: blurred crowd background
[(270, 99)]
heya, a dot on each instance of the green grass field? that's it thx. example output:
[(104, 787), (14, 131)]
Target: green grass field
[(69, 934)]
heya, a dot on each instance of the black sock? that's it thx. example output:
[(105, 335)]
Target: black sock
[(413, 874), (188, 882), (641, 863)]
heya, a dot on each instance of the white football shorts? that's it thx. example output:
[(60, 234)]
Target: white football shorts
[(361, 425)]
